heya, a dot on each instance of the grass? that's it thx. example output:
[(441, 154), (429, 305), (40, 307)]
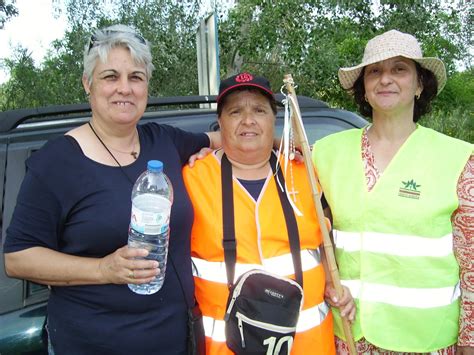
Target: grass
[(458, 123)]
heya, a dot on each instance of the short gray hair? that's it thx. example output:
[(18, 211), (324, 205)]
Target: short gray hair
[(104, 39)]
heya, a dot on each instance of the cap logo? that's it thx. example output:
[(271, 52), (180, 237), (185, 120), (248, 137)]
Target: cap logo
[(243, 78)]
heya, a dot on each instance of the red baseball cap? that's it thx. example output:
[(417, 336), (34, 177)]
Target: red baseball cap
[(243, 80)]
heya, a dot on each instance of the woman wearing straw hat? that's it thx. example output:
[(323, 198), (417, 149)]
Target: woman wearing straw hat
[(402, 197)]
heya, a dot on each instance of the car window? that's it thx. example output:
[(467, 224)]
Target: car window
[(34, 289)]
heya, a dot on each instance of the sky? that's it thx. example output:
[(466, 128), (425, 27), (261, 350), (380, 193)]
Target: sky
[(34, 28)]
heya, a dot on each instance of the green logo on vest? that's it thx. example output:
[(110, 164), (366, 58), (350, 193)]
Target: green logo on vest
[(409, 190)]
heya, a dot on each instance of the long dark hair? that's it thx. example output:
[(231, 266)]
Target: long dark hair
[(422, 105)]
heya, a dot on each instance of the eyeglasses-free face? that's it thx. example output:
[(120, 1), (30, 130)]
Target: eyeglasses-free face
[(119, 89), (391, 85), (93, 40), (247, 125)]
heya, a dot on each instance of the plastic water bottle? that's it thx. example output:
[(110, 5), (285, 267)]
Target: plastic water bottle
[(152, 197)]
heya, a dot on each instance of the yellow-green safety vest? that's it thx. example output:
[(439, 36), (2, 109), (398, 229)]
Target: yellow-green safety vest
[(394, 244)]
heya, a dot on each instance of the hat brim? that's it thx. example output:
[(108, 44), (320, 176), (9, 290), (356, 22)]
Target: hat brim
[(348, 76), (243, 85)]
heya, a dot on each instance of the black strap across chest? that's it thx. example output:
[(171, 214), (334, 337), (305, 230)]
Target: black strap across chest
[(229, 243)]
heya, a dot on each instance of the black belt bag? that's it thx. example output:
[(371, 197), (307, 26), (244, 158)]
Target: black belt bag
[(263, 308), (262, 313), (196, 336)]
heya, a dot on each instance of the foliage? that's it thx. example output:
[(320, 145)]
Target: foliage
[(453, 110), (310, 39), (459, 92), (171, 30), (168, 25), (458, 123), (7, 11), (21, 90)]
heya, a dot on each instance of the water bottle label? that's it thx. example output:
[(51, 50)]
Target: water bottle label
[(150, 214)]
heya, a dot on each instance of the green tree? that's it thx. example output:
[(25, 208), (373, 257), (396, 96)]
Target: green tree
[(22, 90), (168, 25), (312, 39), (7, 11), (309, 39)]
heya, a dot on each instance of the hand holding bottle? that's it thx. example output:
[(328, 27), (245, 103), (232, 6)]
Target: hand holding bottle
[(129, 266)]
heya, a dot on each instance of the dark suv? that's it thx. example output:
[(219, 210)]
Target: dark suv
[(22, 132)]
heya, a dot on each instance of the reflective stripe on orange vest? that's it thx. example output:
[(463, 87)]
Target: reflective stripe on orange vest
[(281, 265), (309, 318)]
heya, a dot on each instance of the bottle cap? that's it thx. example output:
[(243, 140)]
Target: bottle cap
[(155, 165)]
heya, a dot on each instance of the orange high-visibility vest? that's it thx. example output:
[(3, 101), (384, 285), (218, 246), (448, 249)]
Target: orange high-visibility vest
[(262, 242)]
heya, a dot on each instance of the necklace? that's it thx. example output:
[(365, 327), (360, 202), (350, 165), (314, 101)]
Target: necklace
[(113, 156), (133, 153)]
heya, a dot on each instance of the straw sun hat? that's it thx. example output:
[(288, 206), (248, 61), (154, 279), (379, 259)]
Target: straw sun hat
[(391, 44)]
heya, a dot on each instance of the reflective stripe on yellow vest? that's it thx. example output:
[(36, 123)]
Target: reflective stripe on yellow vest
[(394, 243), (262, 242)]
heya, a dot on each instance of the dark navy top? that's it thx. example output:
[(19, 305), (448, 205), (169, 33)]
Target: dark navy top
[(72, 204), (253, 187)]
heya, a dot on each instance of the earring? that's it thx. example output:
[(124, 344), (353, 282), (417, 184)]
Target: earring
[(365, 97), (417, 96)]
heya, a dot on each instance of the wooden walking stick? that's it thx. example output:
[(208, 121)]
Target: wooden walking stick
[(302, 142)]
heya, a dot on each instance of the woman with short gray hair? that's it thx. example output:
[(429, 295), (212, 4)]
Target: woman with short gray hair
[(103, 40), (70, 226)]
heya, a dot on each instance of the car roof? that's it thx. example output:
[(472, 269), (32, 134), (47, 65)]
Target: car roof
[(55, 116)]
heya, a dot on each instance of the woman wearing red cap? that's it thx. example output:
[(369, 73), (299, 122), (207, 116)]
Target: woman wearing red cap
[(401, 196), (246, 113)]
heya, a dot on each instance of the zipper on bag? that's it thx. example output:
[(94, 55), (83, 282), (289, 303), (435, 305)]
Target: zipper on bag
[(235, 293), (241, 330), (263, 325)]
